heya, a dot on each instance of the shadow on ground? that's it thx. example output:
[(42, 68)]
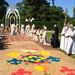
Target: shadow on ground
[(3, 43)]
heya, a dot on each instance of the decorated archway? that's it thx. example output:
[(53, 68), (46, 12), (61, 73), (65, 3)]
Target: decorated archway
[(12, 17)]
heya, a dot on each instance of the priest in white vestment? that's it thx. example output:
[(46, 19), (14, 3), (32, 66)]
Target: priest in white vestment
[(2, 26), (22, 29), (40, 36), (2, 29), (62, 42), (73, 37), (37, 34), (27, 29), (13, 31), (66, 36), (71, 41), (32, 30)]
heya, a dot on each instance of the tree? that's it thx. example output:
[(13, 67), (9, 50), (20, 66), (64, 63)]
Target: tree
[(74, 13), (3, 8), (24, 10), (43, 12), (53, 2), (35, 8), (73, 19)]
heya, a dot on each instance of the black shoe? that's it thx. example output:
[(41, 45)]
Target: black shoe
[(69, 54)]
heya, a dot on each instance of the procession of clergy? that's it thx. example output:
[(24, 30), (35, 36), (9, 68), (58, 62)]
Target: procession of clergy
[(68, 39), (35, 34), (67, 42)]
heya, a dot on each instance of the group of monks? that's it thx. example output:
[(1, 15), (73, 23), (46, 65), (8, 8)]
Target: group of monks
[(37, 34), (67, 42), (32, 32)]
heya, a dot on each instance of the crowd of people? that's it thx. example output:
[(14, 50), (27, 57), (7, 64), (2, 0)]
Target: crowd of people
[(68, 39), (30, 30), (67, 42), (37, 34)]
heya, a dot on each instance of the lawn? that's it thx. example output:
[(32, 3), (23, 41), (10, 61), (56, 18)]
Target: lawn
[(49, 37), (49, 34)]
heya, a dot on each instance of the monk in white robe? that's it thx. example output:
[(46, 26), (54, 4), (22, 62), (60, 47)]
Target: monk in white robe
[(27, 29), (40, 35), (66, 37), (67, 34), (44, 34), (62, 42), (37, 34), (32, 31), (2, 29), (43, 37), (34, 36), (73, 37), (13, 32), (2, 26), (43, 40), (71, 42), (22, 29)]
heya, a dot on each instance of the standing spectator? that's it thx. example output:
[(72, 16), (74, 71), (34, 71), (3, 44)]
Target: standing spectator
[(55, 40)]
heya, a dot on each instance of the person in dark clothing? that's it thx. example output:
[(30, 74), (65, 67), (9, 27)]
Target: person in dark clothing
[(55, 40), (55, 28)]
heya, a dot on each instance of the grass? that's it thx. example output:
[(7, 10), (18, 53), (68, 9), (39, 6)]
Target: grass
[(49, 37), (49, 34)]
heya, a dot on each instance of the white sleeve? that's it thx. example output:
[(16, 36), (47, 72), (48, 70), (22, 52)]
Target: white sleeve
[(73, 34), (67, 33)]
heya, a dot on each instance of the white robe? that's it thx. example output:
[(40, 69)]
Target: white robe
[(62, 42), (43, 37), (27, 30), (40, 36), (37, 35), (69, 41), (32, 31), (22, 29), (13, 29), (2, 27), (73, 42), (66, 38)]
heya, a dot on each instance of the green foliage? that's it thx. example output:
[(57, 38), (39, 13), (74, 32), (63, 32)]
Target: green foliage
[(43, 13), (74, 13), (3, 7), (73, 19), (40, 24), (53, 2), (49, 35)]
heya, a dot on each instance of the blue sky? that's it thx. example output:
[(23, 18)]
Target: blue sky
[(69, 4)]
